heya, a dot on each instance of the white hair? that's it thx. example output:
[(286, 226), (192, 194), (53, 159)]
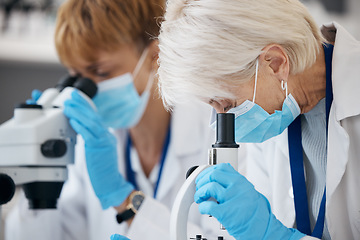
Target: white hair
[(209, 46)]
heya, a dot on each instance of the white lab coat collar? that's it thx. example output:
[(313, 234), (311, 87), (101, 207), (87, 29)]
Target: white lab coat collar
[(345, 86)]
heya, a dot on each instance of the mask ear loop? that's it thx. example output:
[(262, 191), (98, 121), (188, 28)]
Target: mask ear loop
[(150, 80), (284, 87), (140, 62), (256, 76), (138, 67)]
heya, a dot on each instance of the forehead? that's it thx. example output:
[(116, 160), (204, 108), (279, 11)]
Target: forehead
[(123, 54)]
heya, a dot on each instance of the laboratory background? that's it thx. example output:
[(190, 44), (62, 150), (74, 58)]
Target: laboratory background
[(28, 58)]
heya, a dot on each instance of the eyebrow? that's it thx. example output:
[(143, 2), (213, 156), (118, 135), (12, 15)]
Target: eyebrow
[(93, 66)]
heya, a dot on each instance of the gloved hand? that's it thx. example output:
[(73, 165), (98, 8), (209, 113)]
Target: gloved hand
[(118, 237), (35, 95), (100, 152), (244, 212)]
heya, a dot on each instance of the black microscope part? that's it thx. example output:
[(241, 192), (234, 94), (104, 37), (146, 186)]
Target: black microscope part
[(198, 237), (87, 86), (66, 81), (190, 171), (53, 148), (7, 188), (28, 106), (42, 195), (225, 131)]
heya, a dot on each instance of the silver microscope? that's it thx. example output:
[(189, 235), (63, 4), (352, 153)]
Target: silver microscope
[(225, 150), (38, 143)]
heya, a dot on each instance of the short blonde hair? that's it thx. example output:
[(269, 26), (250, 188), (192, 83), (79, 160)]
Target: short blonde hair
[(86, 26), (208, 46)]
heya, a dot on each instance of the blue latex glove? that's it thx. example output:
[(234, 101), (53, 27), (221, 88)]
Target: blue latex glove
[(118, 237), (35, 95), (244, 212), (100, 151)]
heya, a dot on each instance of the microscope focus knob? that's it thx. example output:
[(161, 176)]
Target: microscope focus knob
[(7, 188), (53, 148)]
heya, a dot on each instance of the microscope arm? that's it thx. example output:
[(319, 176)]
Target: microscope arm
[(225, 150), (182, 204)]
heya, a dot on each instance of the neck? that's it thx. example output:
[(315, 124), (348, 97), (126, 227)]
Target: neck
[(148, 136), (309, 87)]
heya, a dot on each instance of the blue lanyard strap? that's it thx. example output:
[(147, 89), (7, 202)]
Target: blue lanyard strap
[(130, 174), (297, 165)]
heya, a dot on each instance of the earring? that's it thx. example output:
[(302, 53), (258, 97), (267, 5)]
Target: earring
[(284, 87)]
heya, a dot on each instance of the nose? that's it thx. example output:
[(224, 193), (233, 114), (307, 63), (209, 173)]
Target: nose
[(219, 110), (221, 106)]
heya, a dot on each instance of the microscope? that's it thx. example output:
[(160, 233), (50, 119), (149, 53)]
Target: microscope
[(38, 143), (225, 150)]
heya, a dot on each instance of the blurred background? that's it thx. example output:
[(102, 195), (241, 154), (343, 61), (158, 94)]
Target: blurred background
[(27, 54), (28, 58)]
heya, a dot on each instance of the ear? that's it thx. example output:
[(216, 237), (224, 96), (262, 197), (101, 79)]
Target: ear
[(154, 49), (276, 58), (154, 53)]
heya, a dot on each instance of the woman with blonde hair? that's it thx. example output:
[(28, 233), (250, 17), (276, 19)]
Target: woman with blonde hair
[(294, 90), (124, 179)]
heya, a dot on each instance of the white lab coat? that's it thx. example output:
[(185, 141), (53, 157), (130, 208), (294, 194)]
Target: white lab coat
[(79, 215), (268, 166)]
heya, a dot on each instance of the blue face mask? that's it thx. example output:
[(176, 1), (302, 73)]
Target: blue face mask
[(118, 102), (254, 125)]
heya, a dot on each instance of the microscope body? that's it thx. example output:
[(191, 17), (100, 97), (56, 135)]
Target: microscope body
[(37, 137), (225, 150), (38, 143)]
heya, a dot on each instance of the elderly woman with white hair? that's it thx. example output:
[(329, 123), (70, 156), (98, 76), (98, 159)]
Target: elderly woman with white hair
[(294, 90)]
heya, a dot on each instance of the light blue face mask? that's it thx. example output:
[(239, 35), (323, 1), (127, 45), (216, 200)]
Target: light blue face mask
[(118, 102), (254, 125)]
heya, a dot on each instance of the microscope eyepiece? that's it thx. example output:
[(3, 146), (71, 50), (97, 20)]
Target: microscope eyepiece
[(225, 131), (87, 86), (66, 81)]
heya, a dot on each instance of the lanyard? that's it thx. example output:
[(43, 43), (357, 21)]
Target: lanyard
[(297, 165), (130, 174)]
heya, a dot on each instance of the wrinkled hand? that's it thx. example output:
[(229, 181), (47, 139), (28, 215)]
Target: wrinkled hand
[(100, 151), (118, 237), (35, 95), (244, 212)]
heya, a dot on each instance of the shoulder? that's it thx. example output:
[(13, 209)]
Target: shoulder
[(192, 116), (190, 127), (196, 110)]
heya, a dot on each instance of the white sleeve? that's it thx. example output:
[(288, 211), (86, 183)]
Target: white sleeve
[(68, 221), (151, 227), (153, 222), (309, 238), (23, 223)]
